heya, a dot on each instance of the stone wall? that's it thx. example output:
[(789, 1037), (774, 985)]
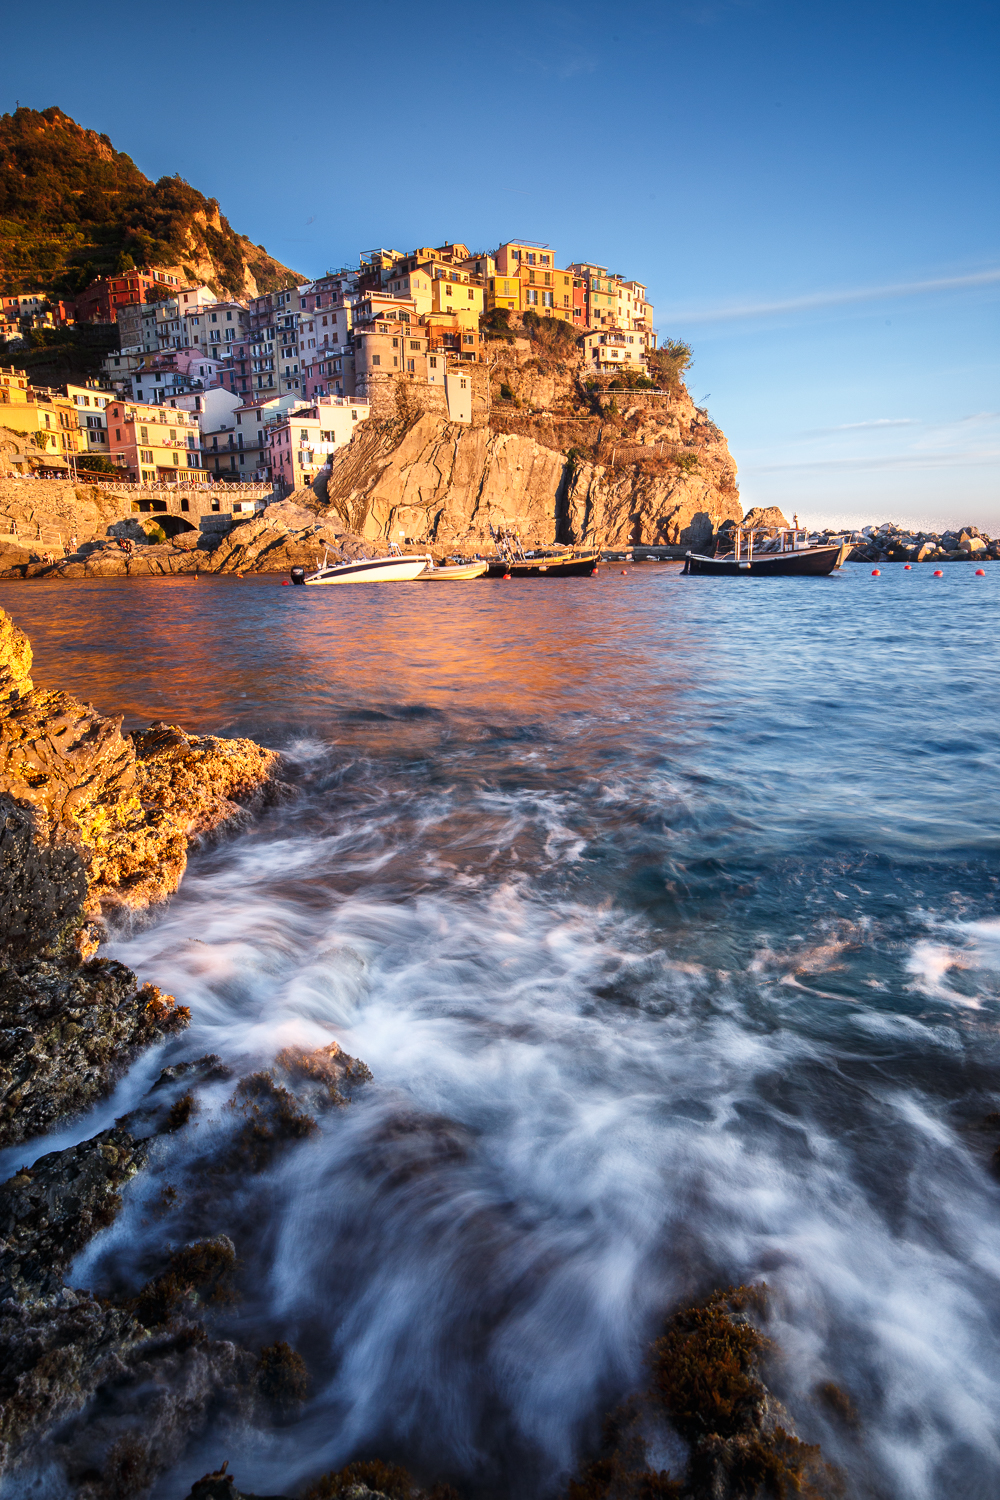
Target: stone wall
[(44, 514)]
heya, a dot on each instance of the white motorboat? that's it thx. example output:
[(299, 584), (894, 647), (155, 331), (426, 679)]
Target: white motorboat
[(453, 572), (398, 567)]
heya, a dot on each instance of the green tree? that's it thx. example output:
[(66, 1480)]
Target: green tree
[(668, 363)]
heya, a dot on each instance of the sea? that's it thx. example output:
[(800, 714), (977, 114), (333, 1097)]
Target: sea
[(664, 911)]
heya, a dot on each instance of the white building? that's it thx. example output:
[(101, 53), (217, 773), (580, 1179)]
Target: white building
[(304, 441)]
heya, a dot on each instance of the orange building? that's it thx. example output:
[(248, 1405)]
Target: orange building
[(154, 444)]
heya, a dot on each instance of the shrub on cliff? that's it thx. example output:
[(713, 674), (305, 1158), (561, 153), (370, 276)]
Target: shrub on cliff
[(668, 363), (496, 325)]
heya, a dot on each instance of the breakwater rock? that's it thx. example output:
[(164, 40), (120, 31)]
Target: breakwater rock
[(888, 543)]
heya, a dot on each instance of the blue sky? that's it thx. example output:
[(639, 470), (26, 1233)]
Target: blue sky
[(810, 190)]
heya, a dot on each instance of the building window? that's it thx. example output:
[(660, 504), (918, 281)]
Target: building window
[(376, 359), (411, 365)]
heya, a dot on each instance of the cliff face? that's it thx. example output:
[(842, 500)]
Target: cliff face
[(562, 462)]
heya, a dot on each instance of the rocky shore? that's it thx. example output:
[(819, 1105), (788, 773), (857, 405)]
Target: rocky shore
[(888, 543), (102, 1392)]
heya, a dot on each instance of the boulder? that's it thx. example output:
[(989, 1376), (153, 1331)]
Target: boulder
[(48, 1213), (68, 1033), (768, 516), (15, 659)]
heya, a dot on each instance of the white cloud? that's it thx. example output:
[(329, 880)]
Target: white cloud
[(837, 298)]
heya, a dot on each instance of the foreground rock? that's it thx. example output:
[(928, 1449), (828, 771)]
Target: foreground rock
[(707, 1390), (128, 1379), (91, 821)]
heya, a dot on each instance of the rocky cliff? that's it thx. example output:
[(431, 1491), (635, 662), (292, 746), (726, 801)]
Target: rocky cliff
[(550, 450)]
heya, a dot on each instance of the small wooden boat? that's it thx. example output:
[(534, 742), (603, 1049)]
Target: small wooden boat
[(547, 562), (545, 565), (784, 556), (398, 567), (452, 572)]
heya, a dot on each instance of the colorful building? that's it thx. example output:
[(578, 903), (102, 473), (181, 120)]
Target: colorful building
[(607, 350), (530, 254), (100, 301), (46, 419), (90, 402), (503, 291), (153, 444), (304, 440)]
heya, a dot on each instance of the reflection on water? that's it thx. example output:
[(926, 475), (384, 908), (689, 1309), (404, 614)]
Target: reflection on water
[(664, 912)]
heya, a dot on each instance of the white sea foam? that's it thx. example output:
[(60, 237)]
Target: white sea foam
[(570, 1129)]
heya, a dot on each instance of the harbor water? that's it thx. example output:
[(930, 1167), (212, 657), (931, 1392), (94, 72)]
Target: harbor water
[(664, 912)]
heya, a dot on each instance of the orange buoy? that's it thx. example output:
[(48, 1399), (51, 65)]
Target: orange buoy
[(980, 572), (938, 573), (624, 572), (594, 573), (507, 576), (907, 567), (876, 572)]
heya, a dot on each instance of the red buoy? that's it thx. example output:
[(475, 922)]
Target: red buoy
[(876, 572), (284, 583), (907, 567), (624, 572), (507, 576), (938, 573), (594, 573), (980, 572)]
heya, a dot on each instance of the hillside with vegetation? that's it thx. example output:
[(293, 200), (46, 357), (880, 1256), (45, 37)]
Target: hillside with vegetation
[(72, 208)]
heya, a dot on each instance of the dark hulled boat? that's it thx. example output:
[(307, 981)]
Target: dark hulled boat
[(554, 563), (783, 556), (545, 565)]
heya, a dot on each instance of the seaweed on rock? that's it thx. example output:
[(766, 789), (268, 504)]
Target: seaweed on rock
[(707, 1388)]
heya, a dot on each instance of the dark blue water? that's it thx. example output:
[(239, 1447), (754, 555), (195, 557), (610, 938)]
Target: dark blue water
[(664, 911)]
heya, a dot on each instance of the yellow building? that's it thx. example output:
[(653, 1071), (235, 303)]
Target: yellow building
[(453, 292), (47, 420), (531, 254), (503, 291), (414, 284), (548, 293)]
